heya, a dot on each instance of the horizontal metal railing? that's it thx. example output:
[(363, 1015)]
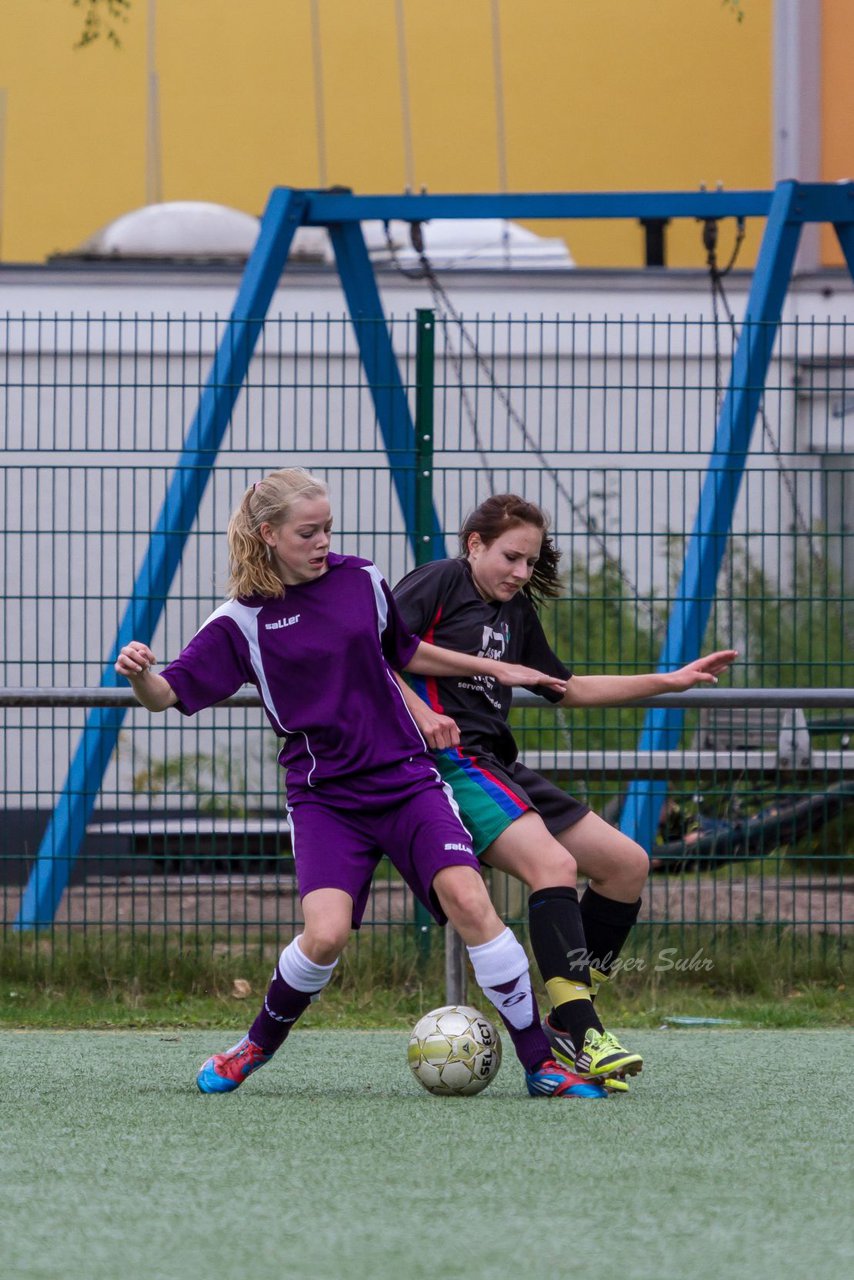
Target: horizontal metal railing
[(692, 698), (790, 754), (200, 884)]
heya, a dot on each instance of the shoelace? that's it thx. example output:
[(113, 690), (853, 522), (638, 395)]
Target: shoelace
[(608, 1041)]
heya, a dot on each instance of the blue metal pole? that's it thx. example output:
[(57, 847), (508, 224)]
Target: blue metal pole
[(327, 208), (696, 591), (66, 830), (845, 235), (381, 369)]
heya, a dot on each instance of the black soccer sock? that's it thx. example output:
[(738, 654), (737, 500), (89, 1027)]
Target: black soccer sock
[(606, 924), (560, 949)]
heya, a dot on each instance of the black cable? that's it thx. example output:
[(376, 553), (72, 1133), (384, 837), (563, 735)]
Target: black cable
[(719, 293), (444, 307)]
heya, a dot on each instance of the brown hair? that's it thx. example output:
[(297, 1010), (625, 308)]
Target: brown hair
[(505, 511), (269, 501)]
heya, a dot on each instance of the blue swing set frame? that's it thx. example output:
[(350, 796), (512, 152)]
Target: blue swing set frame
[(786, 210)]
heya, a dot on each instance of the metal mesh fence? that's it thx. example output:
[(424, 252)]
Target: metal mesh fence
[(606, 423)]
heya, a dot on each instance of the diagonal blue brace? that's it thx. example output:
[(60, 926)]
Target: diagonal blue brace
[(845, 236), (65, 833), (381, 369), (695, 594)]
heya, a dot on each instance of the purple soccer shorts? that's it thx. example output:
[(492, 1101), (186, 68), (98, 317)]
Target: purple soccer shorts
[(340, 833)]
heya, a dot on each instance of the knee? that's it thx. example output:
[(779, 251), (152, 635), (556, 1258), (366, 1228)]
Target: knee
[(323, 941), (634, 867), (556, 869), (464, 900)]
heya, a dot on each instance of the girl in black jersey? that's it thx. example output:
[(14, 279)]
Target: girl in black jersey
[(485, 602)]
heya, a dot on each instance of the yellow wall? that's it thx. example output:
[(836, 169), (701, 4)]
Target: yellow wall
[(599, 95), (837, 106)]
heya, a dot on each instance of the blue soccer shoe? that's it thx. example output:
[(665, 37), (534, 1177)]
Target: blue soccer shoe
[(225, 1072), (554, 1080)]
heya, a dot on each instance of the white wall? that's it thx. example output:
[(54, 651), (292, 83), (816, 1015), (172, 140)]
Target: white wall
[(613, 377)]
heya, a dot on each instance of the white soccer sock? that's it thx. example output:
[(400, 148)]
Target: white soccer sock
[(301, 973), (503, 963)]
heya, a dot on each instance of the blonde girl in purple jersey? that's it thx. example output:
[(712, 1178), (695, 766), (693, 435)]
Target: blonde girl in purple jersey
[(320, 637), (485, 602)]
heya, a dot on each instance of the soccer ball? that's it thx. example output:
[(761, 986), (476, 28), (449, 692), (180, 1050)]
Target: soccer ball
[(454, 1051)]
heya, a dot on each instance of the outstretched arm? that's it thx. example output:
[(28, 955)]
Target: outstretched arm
[(135, 662), (436, 729), (430, 660), (608, 691)]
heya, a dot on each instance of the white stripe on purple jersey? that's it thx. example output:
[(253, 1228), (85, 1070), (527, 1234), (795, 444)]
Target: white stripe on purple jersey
[(321, 657)]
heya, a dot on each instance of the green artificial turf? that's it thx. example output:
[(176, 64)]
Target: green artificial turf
[(728, 1158)]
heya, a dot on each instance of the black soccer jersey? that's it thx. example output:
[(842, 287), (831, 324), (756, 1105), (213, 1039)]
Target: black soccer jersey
[(440, 603)]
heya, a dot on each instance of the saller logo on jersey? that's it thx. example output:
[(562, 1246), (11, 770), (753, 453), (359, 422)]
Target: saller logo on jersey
[(460, 848), (283, 622)]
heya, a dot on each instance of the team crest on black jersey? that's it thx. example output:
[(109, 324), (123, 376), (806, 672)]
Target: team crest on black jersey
[(494, 643)]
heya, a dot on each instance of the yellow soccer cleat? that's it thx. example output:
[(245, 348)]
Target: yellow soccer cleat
[(601, 1057), (614, 1084)]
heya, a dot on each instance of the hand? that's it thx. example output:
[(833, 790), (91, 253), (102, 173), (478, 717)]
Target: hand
[(134, 659), (512, 673), (703, 671), (437, 730)]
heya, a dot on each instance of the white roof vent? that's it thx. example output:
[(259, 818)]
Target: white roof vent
[(461, 243), (179, 229), (193, 230)]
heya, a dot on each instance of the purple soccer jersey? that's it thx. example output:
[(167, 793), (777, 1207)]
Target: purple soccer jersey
[(321, 658), (360, 781)]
